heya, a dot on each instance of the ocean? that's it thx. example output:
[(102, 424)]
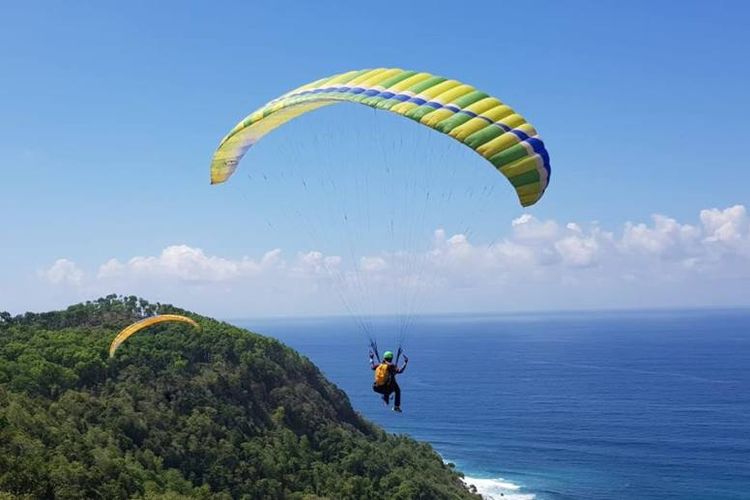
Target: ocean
[(647, 405)]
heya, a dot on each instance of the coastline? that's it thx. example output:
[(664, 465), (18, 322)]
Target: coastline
[(493, 488), (497, 488)]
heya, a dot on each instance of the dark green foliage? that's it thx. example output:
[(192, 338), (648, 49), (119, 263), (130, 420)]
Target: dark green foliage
[(222, 413)]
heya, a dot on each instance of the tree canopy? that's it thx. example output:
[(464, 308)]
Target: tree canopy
[(220, 413)]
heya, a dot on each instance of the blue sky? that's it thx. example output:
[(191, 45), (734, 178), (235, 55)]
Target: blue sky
[(111, 111)]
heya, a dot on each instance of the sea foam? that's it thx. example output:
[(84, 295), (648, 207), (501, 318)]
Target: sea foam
[(497, 489)]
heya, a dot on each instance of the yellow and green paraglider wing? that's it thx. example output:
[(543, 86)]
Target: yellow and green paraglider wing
[(145, 323), (470, 116)]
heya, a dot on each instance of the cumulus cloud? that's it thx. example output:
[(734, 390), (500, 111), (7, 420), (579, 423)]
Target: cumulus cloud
[(314, 263), (666, 237), (537, 264), (186, 264), (577, 251), (373, 264), (63, 272), (727, 230), (527, 227)]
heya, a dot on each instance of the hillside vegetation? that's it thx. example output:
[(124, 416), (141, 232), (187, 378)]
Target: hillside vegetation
[(221, 413)]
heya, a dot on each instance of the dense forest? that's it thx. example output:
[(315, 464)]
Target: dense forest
[(221, 413)]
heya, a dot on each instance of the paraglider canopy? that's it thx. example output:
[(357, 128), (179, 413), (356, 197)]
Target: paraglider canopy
[(478, 120), (145, 323)]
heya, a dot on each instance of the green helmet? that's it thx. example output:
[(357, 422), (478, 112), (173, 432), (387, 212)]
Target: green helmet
[(387, 355)]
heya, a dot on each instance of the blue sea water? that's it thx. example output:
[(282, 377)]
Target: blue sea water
[(648, 405)]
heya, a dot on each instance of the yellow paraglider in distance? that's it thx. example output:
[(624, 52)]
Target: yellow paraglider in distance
[(145, 323)]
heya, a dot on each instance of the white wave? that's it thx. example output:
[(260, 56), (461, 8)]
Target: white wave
[(497, 489)]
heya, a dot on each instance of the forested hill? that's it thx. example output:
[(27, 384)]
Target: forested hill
[(177, 413)]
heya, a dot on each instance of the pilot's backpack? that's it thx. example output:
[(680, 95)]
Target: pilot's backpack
[(381, 374)]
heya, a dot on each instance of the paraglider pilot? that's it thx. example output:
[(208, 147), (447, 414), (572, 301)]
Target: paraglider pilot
[(385, 378)]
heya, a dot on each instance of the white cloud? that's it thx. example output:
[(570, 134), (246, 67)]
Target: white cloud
[(528, 227), (727, 224), (666, 237), (729, 228), (63, 272), (373, 264), (187, 264), (314, 263), (577, 251), (538, 265)]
